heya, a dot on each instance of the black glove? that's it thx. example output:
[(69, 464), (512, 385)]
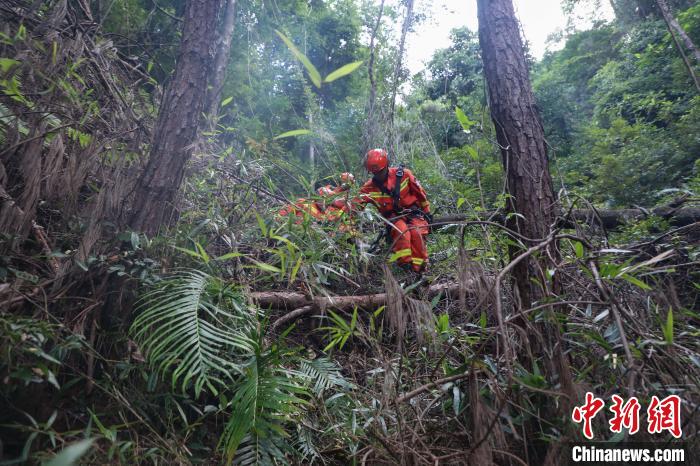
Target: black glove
[(429, 218)]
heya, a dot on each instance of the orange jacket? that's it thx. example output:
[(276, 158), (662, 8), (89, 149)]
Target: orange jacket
[(411, 195), (300, 207), (331, 206)]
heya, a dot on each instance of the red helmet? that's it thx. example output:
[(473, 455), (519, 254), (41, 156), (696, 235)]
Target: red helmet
[(347, 178), (376, 160)]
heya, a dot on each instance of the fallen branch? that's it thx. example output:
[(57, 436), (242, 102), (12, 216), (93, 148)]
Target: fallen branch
[(428, 386), (292, 316), (295, 300), (609, 219), (303, 305)]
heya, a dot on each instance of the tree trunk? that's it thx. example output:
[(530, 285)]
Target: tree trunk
[(397, 70), (530, 200), (675, 28), (176, 128), (223, 52), (520, 135), (370, 124)]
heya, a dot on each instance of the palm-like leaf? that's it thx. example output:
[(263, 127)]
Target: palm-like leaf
[(185, 326), (322, 374), (268, 396)]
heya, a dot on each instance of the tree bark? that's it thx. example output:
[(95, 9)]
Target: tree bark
[(371, 117), (223, 52), (291, 300), (520, 135), (673, 25), (178, 119), (399, 64), (530, 199)]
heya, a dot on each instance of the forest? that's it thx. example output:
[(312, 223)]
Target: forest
[(248, 232)]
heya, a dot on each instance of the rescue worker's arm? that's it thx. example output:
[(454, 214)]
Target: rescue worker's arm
[(361, 201), (417, 190)]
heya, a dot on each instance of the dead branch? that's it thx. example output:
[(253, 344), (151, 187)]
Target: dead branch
[(295, 300), (428, 386), (609, 219)]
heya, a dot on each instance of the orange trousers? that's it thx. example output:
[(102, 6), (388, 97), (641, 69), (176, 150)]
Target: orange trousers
[(408, 237)]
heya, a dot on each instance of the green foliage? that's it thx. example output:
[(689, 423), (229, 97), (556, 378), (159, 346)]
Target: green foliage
[(455, 72), (71, 454), (267, 396), (188, 326), (617, 102), (323, 375), (668, 327), (314, 75), (340, 330), (617, 108), (33, 352)]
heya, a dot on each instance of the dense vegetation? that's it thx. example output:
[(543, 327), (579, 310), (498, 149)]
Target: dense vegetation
[(173, 348)]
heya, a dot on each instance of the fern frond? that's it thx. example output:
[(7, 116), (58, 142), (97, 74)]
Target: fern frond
[(305, 445), (268, 397), (323, 374), (182, 327)]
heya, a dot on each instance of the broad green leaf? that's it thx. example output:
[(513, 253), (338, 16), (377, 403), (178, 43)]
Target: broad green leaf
[(261, 224), (578, 247), (310, 68), (294, 132), (668, 328), (295, 270), (267, 267), (188, 251), (463, 119), (181, 328), (71, 454), (7, 63), (229, 255), (202, 252), (460, 201), (635, 281), (226, 101), (342, 71), (472, 153)]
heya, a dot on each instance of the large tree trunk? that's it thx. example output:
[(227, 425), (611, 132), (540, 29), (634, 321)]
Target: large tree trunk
[(223, 51), (529, 188), (180, 112), (519, 133)]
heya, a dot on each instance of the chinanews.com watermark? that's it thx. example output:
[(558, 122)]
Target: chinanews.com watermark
[(663, 416), (602, 453)]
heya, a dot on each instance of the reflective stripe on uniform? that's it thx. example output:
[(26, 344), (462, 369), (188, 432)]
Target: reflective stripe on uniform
[(417, 261), (399, 254), (378, 195)]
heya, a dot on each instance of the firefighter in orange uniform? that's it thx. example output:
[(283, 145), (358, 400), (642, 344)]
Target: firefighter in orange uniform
[(336, 203), (401, 199), (331, 206)]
